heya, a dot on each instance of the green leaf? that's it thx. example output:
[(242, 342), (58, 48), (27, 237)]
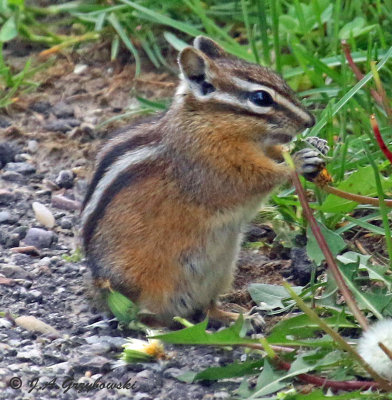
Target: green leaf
[(124, 37), (360, 182), (376, 272), (295, 330), (233, 370), (197, 334), (334, 241), (9, 30), (174, 41), (122, 307), (355, 28), (376, 300), (268, 296)]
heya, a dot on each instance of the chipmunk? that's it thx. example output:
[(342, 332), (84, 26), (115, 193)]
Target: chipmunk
[(163, 216)]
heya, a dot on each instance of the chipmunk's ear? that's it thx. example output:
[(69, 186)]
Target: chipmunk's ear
[(209, 47), (195, 67)]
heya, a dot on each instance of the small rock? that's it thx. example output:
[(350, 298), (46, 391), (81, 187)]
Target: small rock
[(14, 271), (96, 348), (66, 223), (63, 110), (221, 395), (6, 197), (62, 125), (38, 237), (43, 215), (255, 233), (63, 368), (115, 342), (7, 218), (32, 354), (34, 296), (172, 373), (12, 176), (32, 146), (4, 123), (12, 240), (35, 325), (23, 168), (65, 179), (301, 266), (79, 68), (94, 364), (146, 381), (64, 203), (41, 107), (29, 250), (22, 157), (5, 324), (7, 153)]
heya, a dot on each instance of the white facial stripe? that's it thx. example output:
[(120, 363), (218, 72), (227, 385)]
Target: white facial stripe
[(278, 98), (246, 104), (292, 107), (130, 158), (252, 87)]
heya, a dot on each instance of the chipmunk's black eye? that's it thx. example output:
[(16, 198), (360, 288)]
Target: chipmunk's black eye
[(206, 88), (261, 98)]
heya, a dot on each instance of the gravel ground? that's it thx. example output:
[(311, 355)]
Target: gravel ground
[(52, 337)]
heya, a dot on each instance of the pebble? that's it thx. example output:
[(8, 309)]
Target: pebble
[(5, 323), (34, 324), (7, 218), (14, 271), (79, 68), (62, 125), (116, 343), (66, 223), (28, 354), (6, 197), (7, 153), (255, 233), (94, 364), (41, 107), (34, 296), (63, 110), (43, 215), (4, 123), (12, 176), (146, 381), (65, 179), (221, 395), (22, 157), (12, 240), (32, 146), (39, 238), (64, 203), (172, 373), (301, 266), (23, 168)]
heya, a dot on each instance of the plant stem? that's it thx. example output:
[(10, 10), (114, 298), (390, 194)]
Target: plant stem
[(325, 249), (383, 208), (337, 338)]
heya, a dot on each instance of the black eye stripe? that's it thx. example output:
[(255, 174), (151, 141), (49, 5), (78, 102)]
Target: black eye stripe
[(261, 98), (206, 88)]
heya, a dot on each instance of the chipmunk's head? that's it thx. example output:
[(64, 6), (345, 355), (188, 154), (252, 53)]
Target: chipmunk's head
[(247, 96)]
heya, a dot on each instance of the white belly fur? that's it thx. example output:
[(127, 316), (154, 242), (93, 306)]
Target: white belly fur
[(209, 271)]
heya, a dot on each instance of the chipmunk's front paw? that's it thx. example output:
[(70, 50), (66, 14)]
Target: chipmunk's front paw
[(255, 321), (308, 163), (320, 144)]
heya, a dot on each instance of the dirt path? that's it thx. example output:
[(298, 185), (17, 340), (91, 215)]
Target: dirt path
[(47, 144)]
